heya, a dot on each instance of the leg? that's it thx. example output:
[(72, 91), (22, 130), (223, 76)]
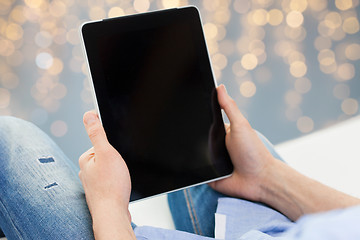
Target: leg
[(40, 193), (193, 209)]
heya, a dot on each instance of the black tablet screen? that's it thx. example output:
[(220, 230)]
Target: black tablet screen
[(157, 98)]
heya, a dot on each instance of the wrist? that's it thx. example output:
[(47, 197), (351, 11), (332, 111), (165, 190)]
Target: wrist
[(112, 221), (272, 182)]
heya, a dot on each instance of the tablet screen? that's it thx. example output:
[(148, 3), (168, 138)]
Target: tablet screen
[(157, 98)]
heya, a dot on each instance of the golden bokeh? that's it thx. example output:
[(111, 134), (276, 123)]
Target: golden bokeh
[(222, 16), (115, 12), (219, 61), (305, 124), (256, 47), (17, 15), (275, 17), (294, 56), (298, 5), (170, 4), (352, 51), (293, 113), (297, 34), (249, 61), (259, 17), (9, 80), (58, 128), (14, 31), (350, 106), (351, 25), (212, 6), (294, 19), (5, 6), (293, 98), (238, 69), (210, 31), (56, 67), (97, 13), (57, 8), (34, 3), (72, 36), (343, 4), (298, 69), (256, 33), (346, 71), (141, 5), (317, 5), (43, 39), (338, 34), (240, 6), (58, 91), (333, 20), (247, 89), (326, 57), (227, 47), (328, 69)]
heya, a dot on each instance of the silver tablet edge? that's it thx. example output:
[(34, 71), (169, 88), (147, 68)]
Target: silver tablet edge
[(194, 185)]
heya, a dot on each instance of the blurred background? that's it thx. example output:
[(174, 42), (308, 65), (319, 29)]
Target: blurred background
[(291, 65)]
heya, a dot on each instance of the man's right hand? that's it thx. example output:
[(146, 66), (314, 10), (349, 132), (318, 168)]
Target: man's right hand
[(258, 176), (250, 157)]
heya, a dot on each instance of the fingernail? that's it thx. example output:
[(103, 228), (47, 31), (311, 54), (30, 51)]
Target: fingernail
[(90, 118)]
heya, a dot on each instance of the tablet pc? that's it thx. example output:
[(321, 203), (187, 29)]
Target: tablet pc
[(156, 96)]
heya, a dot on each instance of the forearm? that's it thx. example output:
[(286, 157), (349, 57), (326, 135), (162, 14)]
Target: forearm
[(294, 194), (111, 222)]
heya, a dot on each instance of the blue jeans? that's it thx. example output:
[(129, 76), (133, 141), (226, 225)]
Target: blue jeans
[(41, 196), (193, 209)]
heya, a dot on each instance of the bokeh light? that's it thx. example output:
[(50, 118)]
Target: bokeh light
[(305, 124), (247, 89), (301, 57)]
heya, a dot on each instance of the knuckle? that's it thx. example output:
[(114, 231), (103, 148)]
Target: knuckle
[(82, 159)]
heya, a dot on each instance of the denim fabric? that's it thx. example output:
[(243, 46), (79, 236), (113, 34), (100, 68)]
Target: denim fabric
[(41, 196), (193, 209)]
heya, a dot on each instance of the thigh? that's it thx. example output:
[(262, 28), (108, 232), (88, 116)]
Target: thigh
[(40, 194), (193, 209)]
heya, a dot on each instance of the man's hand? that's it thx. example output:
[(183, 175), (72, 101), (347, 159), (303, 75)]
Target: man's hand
[(250, 157), (258, 176), (107, 184)]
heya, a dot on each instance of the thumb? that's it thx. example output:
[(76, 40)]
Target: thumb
[(229, 106), (95, 130)]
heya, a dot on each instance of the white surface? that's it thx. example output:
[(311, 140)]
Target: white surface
[(152, 212), (331, 156)]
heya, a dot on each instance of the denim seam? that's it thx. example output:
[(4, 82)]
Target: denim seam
[(11, 221), (190, 211), (195, 215)]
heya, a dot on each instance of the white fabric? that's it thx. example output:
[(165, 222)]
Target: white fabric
[(220, 226)]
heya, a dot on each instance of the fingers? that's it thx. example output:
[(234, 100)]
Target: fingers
[(95, 130), (229, 106)]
